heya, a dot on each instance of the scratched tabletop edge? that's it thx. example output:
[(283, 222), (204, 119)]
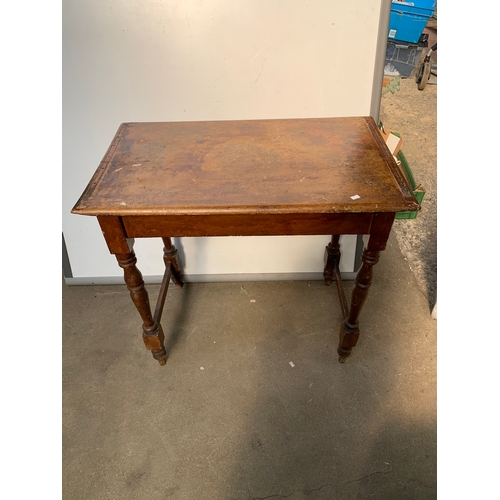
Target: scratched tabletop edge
[(409, 206)]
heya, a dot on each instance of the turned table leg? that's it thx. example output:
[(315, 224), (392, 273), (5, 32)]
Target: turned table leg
[(122, 247), (152, 332), (170, 258), (332, 258), (349, 331)]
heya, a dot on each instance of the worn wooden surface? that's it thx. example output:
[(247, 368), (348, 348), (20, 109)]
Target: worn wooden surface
[(284, 166)]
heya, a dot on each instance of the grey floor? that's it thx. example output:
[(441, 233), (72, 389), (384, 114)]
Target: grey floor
[(229, 417)]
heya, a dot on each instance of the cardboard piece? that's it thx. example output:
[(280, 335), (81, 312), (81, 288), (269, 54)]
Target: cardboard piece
[(394, 143)]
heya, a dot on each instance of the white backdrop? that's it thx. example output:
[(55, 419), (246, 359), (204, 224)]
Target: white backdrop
[(182, 60)]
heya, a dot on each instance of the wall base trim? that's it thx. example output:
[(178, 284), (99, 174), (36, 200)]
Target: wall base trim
[(209, 278)]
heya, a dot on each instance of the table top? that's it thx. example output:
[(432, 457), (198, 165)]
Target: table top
[(283, 166)]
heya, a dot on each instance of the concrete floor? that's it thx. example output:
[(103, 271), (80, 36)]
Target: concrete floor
[(229, 417)]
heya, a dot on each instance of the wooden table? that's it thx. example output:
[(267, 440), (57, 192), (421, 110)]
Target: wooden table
[(314, 176)]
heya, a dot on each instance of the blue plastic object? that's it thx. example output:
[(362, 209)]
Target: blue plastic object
[(408, 19), (423, 7)]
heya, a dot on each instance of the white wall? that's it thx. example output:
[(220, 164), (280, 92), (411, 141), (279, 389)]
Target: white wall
[(144, 60)]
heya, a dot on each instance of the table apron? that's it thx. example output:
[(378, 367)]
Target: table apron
[(146, 226)]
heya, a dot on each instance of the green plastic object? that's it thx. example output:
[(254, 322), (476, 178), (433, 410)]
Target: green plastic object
[(418, 191)]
